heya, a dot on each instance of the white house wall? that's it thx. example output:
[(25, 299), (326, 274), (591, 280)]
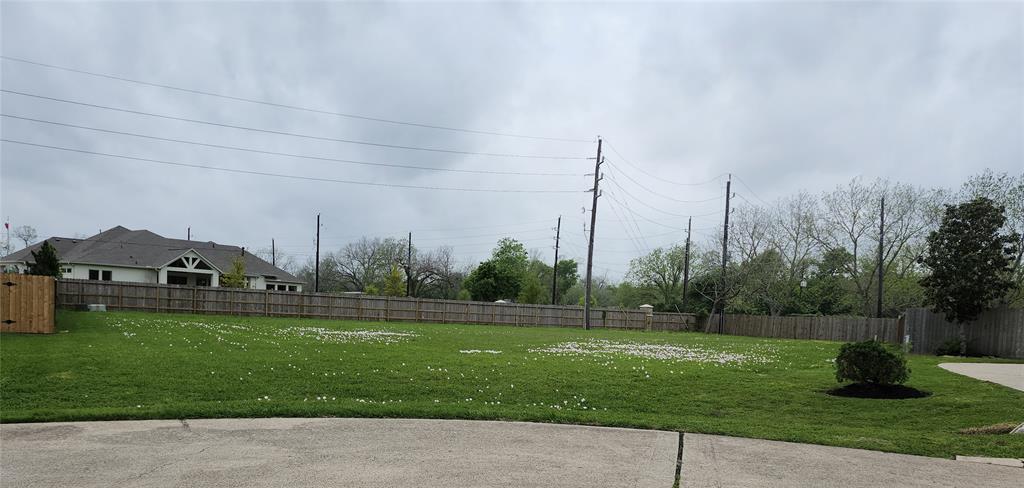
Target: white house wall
[(136, 275)]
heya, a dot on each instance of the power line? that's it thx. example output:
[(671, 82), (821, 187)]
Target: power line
[(284, 133), (750, 190), (275, 153), (626, 227), (627, 193), (660, 178), (291, 107), (652, 192), (280, 175)]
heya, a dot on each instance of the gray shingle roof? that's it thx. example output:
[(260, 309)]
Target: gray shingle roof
[(141, 248)]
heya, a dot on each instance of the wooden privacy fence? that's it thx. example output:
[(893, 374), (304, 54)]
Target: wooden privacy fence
[(26, 303), (824, 328), (205, 300), (998, 332)]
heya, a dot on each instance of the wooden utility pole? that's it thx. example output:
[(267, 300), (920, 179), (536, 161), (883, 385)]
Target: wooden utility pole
[(273, 252), (188, 234), (725, 252), (686, 262), (590, 248), (408, 269), (881, 268), (554, 269), (316, 281)]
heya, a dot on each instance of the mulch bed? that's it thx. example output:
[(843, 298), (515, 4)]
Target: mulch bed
[(884, 392)]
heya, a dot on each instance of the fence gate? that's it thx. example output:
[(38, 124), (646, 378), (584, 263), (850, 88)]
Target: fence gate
[(27, 303)]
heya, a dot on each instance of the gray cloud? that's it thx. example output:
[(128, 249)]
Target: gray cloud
[(788, 96)]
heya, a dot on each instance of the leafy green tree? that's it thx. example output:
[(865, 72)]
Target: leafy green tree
[(46, 261), (371, 290), (532, 291), (235, 278), (511, 255), (489, 282), (394, 285), (662, 270), (971, 262)]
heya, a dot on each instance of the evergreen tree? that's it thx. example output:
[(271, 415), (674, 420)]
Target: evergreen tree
[(236, 277), (970, 261), (394, 286), (46, 261)]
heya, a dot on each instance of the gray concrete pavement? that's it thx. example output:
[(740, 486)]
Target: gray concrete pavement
[(332, 452), (732, 462), (1011, 375)]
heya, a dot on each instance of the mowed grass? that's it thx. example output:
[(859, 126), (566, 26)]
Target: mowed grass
[(142, 366)]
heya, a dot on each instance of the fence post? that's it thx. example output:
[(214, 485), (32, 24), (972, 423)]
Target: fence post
[(387, 308), (302, 305), (417, 309), (266, 303), (194, 291)]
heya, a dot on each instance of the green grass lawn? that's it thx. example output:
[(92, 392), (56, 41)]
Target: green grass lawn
[(141, 366)]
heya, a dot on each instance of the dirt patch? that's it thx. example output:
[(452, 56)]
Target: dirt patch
[(1003, 428), (882, 392)]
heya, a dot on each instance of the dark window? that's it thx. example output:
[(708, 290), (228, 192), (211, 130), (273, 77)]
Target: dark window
[(282, 287), (108, 276), (177, 280), (291, 288), (270, 287), (202, 281), (94, 274)]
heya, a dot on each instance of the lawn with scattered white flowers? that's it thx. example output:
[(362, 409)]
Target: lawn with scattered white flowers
[(138, 366)]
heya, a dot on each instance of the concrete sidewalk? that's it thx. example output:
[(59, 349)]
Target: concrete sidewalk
[(1011, 375), (732, 462), (333, 452)]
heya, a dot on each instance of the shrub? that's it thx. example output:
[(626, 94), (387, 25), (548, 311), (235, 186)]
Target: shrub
[(949, 348), (871, 362)]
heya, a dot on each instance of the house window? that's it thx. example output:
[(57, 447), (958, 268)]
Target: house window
[(94, 274), (282, 287), (108, 275), (202, 281), (177, 280), (292, 288), (270, 287), (66, 271)]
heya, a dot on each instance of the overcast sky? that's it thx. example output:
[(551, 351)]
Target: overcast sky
[(786, 96)]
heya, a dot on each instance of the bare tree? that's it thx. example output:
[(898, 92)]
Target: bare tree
[(26, 234), (849, 219), (278, 258), (748, 232), (792, 232), (368, 261)]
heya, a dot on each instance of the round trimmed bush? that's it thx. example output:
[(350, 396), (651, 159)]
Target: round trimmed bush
[(871, 362)]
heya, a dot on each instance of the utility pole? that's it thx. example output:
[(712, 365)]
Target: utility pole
[(554, 269), (316, 282), (881, 268), (590, 248), (725, 252), (188, 234), (686, 262), (273, 252), (408, 269)]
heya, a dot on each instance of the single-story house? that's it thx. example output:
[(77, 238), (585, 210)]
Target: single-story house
[(141, 256)]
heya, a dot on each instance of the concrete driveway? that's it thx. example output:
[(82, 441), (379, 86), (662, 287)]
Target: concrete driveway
[(1011, 375), (732, 462), (448, 453), (333, 452)]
